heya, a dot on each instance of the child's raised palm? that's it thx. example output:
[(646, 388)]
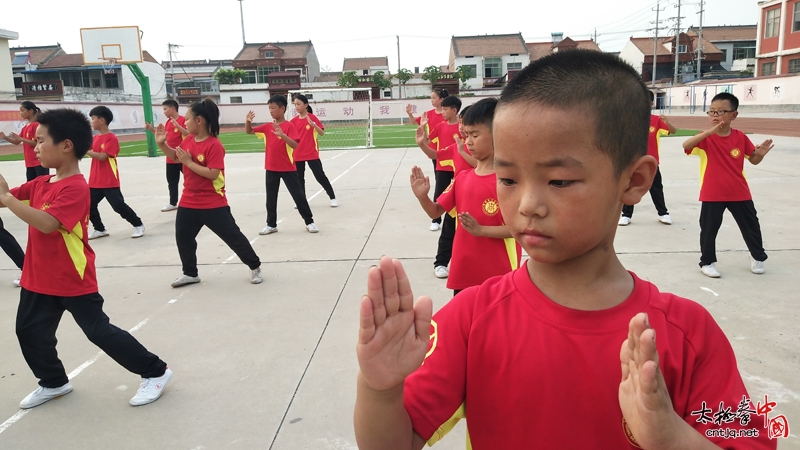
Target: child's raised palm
[(420, 184), (394, 332), (161, 134)]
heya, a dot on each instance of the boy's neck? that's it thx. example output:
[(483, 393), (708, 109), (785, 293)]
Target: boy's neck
[(453, 121), (485, 166), (67, 169), (726, 131), (280, 121), (103, 130), (594, 281)]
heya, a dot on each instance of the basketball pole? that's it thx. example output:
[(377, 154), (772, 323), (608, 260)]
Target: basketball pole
[(147, 104)]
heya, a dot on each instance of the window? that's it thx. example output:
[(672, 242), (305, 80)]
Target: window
[(794, 65), (236, 99), (796, 18), (513, 66), (768, 69), (365, 72), (111, 81), (387, 94), (473, 68), (773, 23), (310, 96), (250, 78), (744, 50), (269, 54), (491, 67), (682, 48), (264, 71), (724, 53)]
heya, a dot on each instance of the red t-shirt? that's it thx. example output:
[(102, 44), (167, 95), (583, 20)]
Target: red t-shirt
[(200, 192), (105, 174), (174, 135), (29, 132), (442, 136), (476, 259), (657, 129), (434, 119), (308, 146), (533, 373), (450, 157), (279, 157), (60, 263), (722, 167)]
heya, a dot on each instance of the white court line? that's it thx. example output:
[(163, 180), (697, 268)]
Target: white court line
[(709, 290), (340, 154), (21, 413)]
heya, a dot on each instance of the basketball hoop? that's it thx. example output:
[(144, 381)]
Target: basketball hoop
[(108, 65)]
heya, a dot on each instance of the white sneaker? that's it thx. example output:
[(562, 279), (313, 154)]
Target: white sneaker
[(43, 394), (441, 272), (183, 280), (665, 219), (16, 280), (312, 228), (434, 226), (334, 203), (710, 271), (623, 221), (757, 267), (169, 208), (268, 230), (255, 276), (138, 231), (97, 234), (150, 389)]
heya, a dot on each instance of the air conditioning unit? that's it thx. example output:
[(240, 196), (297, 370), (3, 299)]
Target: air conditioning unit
[(688, 69)]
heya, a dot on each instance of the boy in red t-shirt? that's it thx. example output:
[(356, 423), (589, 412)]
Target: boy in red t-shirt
[(722, 151), (281, 139), (484, 248), (104, 176), (440, 137), (175, 128), (659, 126), (562, 352), (59, 273)]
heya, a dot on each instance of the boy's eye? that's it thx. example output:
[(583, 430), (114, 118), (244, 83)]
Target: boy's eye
[(561, 183), (506, 181)]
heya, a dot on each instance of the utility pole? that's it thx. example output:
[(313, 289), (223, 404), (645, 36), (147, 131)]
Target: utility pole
[(595, 35), (241, 13), (677, 42), (657, 27), (171, 47), (700, 41), (399, 85)]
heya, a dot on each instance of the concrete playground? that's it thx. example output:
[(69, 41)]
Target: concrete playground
[(272, 366)]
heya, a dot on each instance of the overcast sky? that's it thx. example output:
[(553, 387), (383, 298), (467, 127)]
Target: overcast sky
[(212, 29)]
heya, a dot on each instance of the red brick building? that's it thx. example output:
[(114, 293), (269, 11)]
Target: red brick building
[(778, 45)]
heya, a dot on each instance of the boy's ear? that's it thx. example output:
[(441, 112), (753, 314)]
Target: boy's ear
[(67, 146), (734, 115), (637, 179)]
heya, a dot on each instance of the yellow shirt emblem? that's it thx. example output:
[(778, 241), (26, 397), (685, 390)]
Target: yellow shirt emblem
[(652, 129), (736, 152), (490, 207), (201, 158)]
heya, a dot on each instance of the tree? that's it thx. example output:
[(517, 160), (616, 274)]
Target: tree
[(464, 73), (403, 76), (347, 80), (432, 74), (381, 81), (230, 76)]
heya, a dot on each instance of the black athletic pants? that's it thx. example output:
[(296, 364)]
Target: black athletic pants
[(11, 246), (445, 249), (33, 172), (316, 168), (173, 178), (295, 187), (188, 224), (38, 316), (744, 213), (117, 202), (656, 193)]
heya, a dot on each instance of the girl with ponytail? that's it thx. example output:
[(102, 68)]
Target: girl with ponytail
[(27, 137), (310, 128)]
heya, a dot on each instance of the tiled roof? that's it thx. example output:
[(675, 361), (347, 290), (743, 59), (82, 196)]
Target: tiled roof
[(71, 60), (645, 45), (291, 50), (38, 55), (364, 63), (326, 77), (147, 57), (540, 49), (727, 33), (488, 45)]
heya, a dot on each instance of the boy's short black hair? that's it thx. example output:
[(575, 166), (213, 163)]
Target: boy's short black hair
[(102, 112), (480, 113), (464, 111), (170, 103), (451, 101), (652, 96), (279, 100), (729, 97), (63, 124), (595, 82)]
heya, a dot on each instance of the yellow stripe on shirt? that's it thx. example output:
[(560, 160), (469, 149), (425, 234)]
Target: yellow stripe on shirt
[(113, 162), (511, 249), (697, 151), (75, 247)]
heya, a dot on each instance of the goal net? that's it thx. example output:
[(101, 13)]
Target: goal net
[(345, 112)]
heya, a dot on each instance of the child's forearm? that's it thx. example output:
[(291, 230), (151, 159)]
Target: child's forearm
[(755, 158), (98, 156), (495, 232), (168, 151), (432, 209), (467, 157), (381, 420), (27, 141), (290, 142), (248, 128), (429, 152), (205, 172), (692, 142), (184, 131), (36, 218)]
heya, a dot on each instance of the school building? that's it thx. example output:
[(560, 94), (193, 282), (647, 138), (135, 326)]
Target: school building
[(778, 45), (736, 42), (640, 53)]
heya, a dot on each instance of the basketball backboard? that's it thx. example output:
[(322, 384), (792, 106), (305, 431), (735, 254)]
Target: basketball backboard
[(101, 45)]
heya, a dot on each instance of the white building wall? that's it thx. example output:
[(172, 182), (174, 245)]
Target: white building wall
[(522, 58), (633, 56), (6, 74), (477, 61), (728, 48)]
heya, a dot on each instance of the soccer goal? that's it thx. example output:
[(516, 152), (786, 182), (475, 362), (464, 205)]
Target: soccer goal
[(345, 112)]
